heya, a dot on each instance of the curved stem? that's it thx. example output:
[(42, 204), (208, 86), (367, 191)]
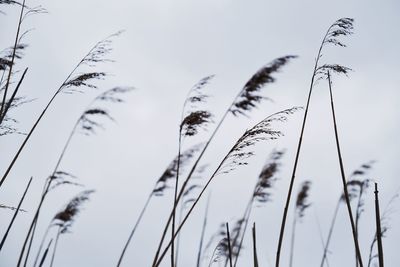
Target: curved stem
[(326, 246), (289, 194), (15, 215), (203, 230), (346, 194), (55, 247)]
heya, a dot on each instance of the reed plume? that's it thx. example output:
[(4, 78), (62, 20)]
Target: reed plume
[(340, 28), (67, 216)]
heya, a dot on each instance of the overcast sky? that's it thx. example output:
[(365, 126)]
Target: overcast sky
[(167, 46)]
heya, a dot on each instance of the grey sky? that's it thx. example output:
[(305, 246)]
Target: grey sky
[(167, 47)]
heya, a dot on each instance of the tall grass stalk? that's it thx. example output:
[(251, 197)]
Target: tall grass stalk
[(346, 193), (15, 214), (203, 231), (378, 227), (46, 252), (341, 27), (229, 245), (255, 259)]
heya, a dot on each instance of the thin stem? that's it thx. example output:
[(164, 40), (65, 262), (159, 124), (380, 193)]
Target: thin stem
[(378, 227), (292, 241), (229, 245), (179, 235), (255, 260), (175, 198), (46, 252), (289, 194), (346, 193), (55, 246), (15, 214), (41, 244), (246, 217), (203, 230), (134, 229), (325, 255)]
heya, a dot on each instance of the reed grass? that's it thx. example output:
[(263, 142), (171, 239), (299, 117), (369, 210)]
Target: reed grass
[(341, 27)]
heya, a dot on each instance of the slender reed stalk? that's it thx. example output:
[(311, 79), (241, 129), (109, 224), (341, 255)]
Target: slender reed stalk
[(203, 231), (244, 102), (378, 227), (55, 247), (229, 245), (46, 252), (341, 27), (326, 246), (255, 259), (237, 156), (15, 214), (346, 193)]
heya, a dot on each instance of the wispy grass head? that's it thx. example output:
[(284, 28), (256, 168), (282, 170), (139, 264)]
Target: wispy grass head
[(194, 121), (170, 173), (90, 119), (98, 54), (62, 178), (340, 28), (67, 216), (267, 178), (302, 201), (193, 117), (358, 181), (250, 95), (262, 131)]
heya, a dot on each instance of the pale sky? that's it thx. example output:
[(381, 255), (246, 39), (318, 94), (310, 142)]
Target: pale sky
[(166, 48)]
